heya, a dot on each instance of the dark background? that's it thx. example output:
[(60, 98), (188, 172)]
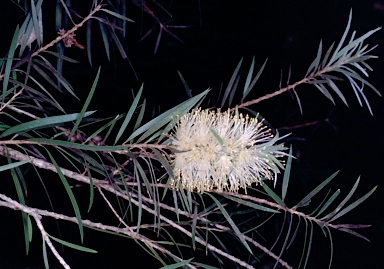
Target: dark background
[(342, 138)]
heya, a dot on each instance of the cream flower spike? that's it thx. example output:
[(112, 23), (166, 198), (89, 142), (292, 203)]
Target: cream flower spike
[(223, 151)]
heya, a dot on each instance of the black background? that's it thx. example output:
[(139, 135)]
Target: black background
[(343, 138)]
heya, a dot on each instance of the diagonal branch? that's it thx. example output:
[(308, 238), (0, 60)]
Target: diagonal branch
[(8, 202), (38, 213), (14, 154)]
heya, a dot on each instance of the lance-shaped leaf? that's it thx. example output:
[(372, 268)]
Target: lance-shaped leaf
[(346, 199), (308, 198), (187, 89), (328, 203), (231, 83), (177, 265), (353, 205), (287, 172), (82, 113), (71, 245), (129, 115), (70, 195), (272, 194), (43, 123), (230, 221), (12, 165), (21, 198), (8, 65), (250, 204), (315, 64), (248, 84), (154, 125)]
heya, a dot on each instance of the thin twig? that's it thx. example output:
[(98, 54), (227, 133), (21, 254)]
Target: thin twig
[(37, 217), (12, 204), (113, 210), (66, 35)]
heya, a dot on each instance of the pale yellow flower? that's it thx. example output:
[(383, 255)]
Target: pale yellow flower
[(222, 151)]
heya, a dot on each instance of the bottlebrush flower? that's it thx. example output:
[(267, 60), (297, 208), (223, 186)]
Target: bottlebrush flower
[(222, 151)]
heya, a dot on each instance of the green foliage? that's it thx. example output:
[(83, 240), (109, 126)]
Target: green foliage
[(136, 173)]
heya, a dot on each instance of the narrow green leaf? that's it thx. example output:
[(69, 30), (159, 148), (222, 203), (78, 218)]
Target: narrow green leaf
[(354, 233), (61, 56), (230, 221), (21, 199), (164, 161), (71, 245), (305, 242), (83, 112), (324, 198), (110, 124), (88, 41), (295, 232), (144, 177), (184, 200), (70, 195), (307, 198), (140, 116), (345, 200), (25, 38), (75, 145), (8, 65), (30, 230), (325, 59), (283, 248), (173, 242), (114, 14), (37, 21), (232, 93), (118, 44), (163, 119), (331, 242), (272, 194), (42, 123), (177, 265), (187, 89), (309, 245), (45, 256), (194, 223), (50, 100), (129, 114), (231, 82), (328, 203), (337, 91), (252, 205), (46, 77), (12, 165), (324, 91), (174, 194), (140, 199), (46, 64), (348, 72), (91, 190), (287, 172), (217, 136), (353, 205), (205, 266), (249, 77), (315, 64), (256, 78), (353, 45), (333, 58), (104, 36)]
